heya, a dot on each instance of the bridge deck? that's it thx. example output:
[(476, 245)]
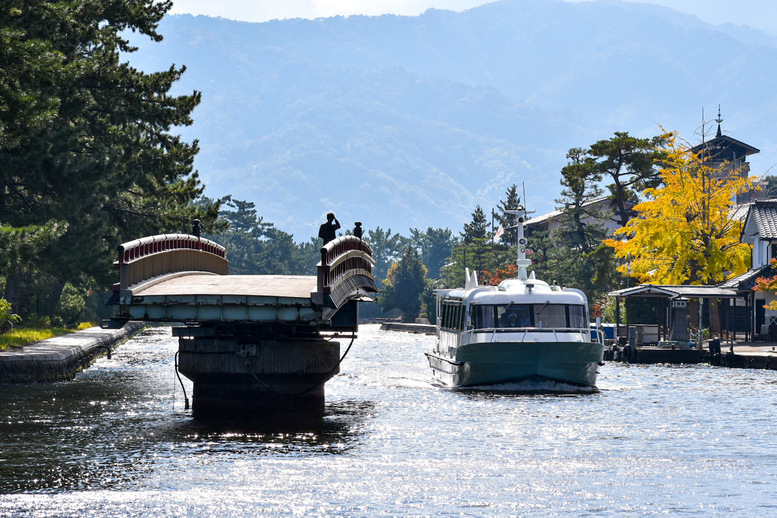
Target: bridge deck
[(196, 296), (283, 286)]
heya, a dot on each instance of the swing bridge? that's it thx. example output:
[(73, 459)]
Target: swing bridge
[(247, 342)]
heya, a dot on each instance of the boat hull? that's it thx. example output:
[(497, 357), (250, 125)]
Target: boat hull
[(489, 363)]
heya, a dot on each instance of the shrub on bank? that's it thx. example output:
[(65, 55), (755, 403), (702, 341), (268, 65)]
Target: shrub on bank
[(7, 317)]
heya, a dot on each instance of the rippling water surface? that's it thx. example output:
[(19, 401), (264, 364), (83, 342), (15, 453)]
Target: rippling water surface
[(692, 441)]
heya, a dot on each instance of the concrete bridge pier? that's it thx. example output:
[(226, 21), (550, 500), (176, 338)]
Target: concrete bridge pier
[(250, 375)]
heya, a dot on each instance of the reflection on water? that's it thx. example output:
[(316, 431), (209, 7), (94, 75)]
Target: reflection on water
[(118, 421), (333, 431), (117, 441), (87, 451)]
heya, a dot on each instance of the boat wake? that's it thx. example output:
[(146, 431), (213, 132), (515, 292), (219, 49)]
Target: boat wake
[(410, 383)]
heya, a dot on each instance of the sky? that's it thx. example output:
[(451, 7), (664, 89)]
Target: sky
[(761, 14)]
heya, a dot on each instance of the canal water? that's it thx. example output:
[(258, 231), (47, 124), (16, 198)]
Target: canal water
[(117, 441)]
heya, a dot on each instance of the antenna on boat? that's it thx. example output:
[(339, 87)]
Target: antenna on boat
[(522, 263)]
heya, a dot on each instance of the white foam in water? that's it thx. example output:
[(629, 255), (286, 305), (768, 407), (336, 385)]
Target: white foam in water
[(411, 383)]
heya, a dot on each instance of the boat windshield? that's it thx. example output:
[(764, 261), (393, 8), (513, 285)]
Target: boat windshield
[(554, 316)]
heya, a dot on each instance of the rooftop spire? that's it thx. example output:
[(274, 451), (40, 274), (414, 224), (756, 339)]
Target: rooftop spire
[(719, 120)]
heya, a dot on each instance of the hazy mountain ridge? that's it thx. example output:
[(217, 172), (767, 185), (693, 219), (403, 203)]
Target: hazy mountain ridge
[(410, 121)]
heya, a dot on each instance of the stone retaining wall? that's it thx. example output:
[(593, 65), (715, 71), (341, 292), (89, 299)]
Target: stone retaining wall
[(427, 329), (62, 357)]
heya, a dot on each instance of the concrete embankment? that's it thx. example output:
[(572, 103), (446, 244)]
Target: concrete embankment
[(427, 329), (62, 357), (742, 355)]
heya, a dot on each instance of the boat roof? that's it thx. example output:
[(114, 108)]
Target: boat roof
[(516, 291)]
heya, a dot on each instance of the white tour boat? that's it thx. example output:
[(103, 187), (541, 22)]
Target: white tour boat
[(523, 329)]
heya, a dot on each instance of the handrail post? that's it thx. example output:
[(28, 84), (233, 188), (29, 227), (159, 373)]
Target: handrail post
[(323, 273)]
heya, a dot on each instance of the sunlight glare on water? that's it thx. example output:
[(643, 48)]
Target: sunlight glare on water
[(691, 440)]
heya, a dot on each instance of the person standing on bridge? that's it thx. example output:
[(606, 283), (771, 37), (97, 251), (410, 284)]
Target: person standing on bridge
[(327, 230)]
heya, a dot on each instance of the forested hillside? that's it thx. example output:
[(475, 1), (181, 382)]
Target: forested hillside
[(407, 122)]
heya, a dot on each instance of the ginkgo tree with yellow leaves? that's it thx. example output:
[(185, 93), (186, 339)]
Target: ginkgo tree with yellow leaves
[(683, 232)]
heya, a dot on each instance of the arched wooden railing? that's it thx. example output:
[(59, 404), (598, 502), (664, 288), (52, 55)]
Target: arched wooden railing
[(153, 256), (345, 268)]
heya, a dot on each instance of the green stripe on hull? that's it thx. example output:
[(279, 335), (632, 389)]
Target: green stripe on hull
[(504, 362)]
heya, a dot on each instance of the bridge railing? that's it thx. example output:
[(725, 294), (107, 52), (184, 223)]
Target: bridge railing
[(344, 258), (152, 256)]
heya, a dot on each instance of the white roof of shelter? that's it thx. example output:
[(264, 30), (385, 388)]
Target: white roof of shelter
[(672, 291), (739, 212), (557, 213)]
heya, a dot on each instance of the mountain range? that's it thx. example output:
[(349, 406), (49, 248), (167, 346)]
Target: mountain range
[(411, 121)]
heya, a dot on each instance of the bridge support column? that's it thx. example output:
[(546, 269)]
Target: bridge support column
[(243, 377)]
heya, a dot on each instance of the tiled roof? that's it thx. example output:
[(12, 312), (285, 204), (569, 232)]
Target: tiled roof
[(764, 214), (724, 141), (747, 279)]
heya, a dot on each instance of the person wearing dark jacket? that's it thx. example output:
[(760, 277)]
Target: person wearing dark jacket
[(327, 230)]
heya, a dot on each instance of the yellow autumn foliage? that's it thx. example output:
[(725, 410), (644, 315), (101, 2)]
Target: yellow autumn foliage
[(683, 233)]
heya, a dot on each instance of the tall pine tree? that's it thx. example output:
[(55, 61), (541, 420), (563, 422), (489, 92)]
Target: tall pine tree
[(477, 229), (506, 221), (85, 138)]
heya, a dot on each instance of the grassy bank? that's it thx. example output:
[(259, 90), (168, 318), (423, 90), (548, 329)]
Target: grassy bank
[(21, 336)]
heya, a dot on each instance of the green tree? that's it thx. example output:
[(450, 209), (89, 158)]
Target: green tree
[(475, 246), (606, 277), (770, 187), (684, 234), (477, 229), (631, 164), (580, 226), (572, 254), (386, 249), (243, 236), (508, 221), (256, 247), (85, 139), (404, 285), (435, 245)]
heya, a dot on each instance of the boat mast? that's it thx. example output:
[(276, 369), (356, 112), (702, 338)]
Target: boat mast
[(522, 263)]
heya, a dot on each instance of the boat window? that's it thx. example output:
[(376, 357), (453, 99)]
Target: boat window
[(577, 317), (557, 316), (452, 315), (550, 315), (514, 315), (483, 317), (502, 315)]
